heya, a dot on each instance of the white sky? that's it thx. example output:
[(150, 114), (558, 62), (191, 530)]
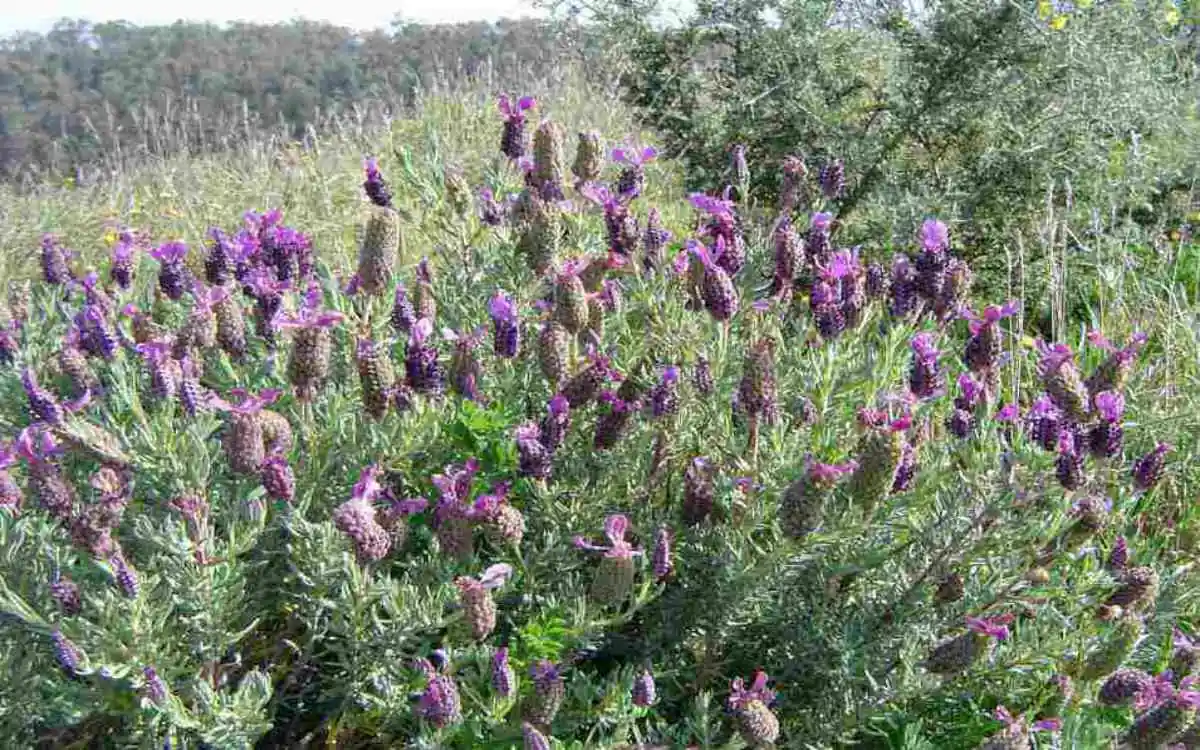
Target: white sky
[(40, 15)]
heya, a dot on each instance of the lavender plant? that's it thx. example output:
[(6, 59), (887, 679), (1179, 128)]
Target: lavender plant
[(214, 539)]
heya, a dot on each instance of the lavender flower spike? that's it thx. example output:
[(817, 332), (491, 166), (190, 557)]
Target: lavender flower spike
[(662, 560), (439, 704), (506, 325), (925, 379), (504, 678), (1147, 470)]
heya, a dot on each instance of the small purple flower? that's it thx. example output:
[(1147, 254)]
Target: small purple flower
[(512, 140), (374, 185), (121, 269), (403, 315), (632, 179), (66, 595), (55, 270), (925, 379), (993, 314), (534, 459), (491, 211), (153, 686), (664, 397), (832, 179), (935, 237), (43, 406), (712, 206), (1008, 413), (504, 678), (278, 479), (507, 332), (1111, 406), (439, 703), (172, 275), (532, 738), (995, 627), (740, 695), (248, 402), (66, 653), (1045, 421), (644, 693), (356, 518), (556, 422), (421, 360), (1147, 470), (663, 563), (1068, 466), (616, 527), (970, 392), (1107, 437), (126, 576)]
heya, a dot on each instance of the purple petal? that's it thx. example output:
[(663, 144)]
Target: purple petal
[(615, 528), (496, 576)]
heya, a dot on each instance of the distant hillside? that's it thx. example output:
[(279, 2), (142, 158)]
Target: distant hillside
[(87, 96)]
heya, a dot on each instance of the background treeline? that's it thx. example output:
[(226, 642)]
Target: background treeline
[(84, 98)]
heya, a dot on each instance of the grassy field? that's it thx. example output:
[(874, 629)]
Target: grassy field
[(271, 620)]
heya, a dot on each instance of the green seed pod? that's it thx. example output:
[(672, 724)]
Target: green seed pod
[(802, 506), (198, 333), (458, 192), (595, 324), (455, 538), (570, 299), (879, 455), (308, 366), (613, 580), (757, 724), (548, 163), (244, 445), (74, 366), (504, 525), (553, 347), (1112, 650), (1138, 591), (479, 609), (1058, 691), (380, 251), (540, 233), (950, 589), (276, 432), (756, 393), (231, 326), (589, 158), (957, 654), (376, 377)]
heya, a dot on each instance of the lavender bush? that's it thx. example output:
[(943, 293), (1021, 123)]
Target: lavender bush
[(297, 498)]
